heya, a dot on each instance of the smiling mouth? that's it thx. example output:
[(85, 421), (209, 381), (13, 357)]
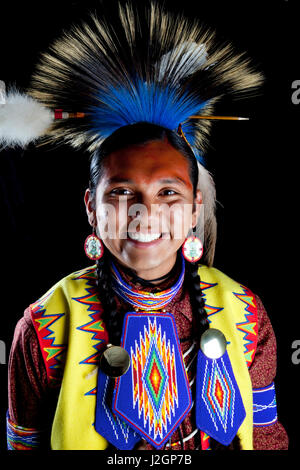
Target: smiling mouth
[(146, 238)]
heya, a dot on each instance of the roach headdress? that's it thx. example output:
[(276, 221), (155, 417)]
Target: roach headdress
[(146, 64)]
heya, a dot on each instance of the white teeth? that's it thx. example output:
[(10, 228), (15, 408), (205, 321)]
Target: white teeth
[(143, 237)]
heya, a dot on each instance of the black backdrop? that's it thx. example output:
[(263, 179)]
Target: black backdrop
[(43, 221)]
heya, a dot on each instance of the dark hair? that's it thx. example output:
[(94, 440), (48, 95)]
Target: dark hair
[(139, 134)]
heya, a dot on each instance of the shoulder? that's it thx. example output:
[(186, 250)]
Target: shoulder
[(24, 333), (58, 312), (212, 272), (55, 311), (212, 276), (66, 288), (233, 298)]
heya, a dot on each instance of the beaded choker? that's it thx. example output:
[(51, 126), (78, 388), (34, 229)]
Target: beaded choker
[(145, 300)]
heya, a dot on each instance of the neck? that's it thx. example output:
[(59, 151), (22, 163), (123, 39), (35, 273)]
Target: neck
[(151, 277)]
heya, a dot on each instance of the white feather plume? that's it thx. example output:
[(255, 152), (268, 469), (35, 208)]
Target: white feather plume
[(193, 57), (22, 119)]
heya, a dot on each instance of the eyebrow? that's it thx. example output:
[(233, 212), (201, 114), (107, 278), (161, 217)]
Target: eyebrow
[(117, 179)]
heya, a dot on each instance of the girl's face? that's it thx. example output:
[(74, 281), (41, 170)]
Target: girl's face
[(144, 207)]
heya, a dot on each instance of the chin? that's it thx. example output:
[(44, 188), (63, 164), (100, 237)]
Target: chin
[(139, 263)]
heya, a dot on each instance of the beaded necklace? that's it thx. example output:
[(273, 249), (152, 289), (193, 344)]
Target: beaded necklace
[(141, 299)]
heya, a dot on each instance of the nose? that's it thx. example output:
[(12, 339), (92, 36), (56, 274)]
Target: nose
[(146, 215)]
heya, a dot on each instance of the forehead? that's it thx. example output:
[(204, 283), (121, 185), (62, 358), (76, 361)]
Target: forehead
[(147, 163)]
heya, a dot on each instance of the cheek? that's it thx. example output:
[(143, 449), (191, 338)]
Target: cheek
[(180, 220), (112, 219)]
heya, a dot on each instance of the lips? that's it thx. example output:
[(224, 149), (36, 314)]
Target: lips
[(144, 237), (145, 244)]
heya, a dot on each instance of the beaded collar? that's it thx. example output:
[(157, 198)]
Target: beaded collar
[(142, 299)]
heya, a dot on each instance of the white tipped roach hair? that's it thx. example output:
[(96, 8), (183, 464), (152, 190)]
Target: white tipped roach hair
[(142, 64)]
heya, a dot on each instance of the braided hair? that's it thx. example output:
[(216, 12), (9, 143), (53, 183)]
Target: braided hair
[(112, 319), (193, 282)]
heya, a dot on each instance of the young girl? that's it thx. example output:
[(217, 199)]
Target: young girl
[(197, 361)]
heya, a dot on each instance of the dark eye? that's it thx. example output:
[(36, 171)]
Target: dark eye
[(170, 192), (120, 192)]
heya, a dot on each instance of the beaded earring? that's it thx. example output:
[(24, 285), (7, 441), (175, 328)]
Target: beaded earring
[(93, 247), (192, 248)]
